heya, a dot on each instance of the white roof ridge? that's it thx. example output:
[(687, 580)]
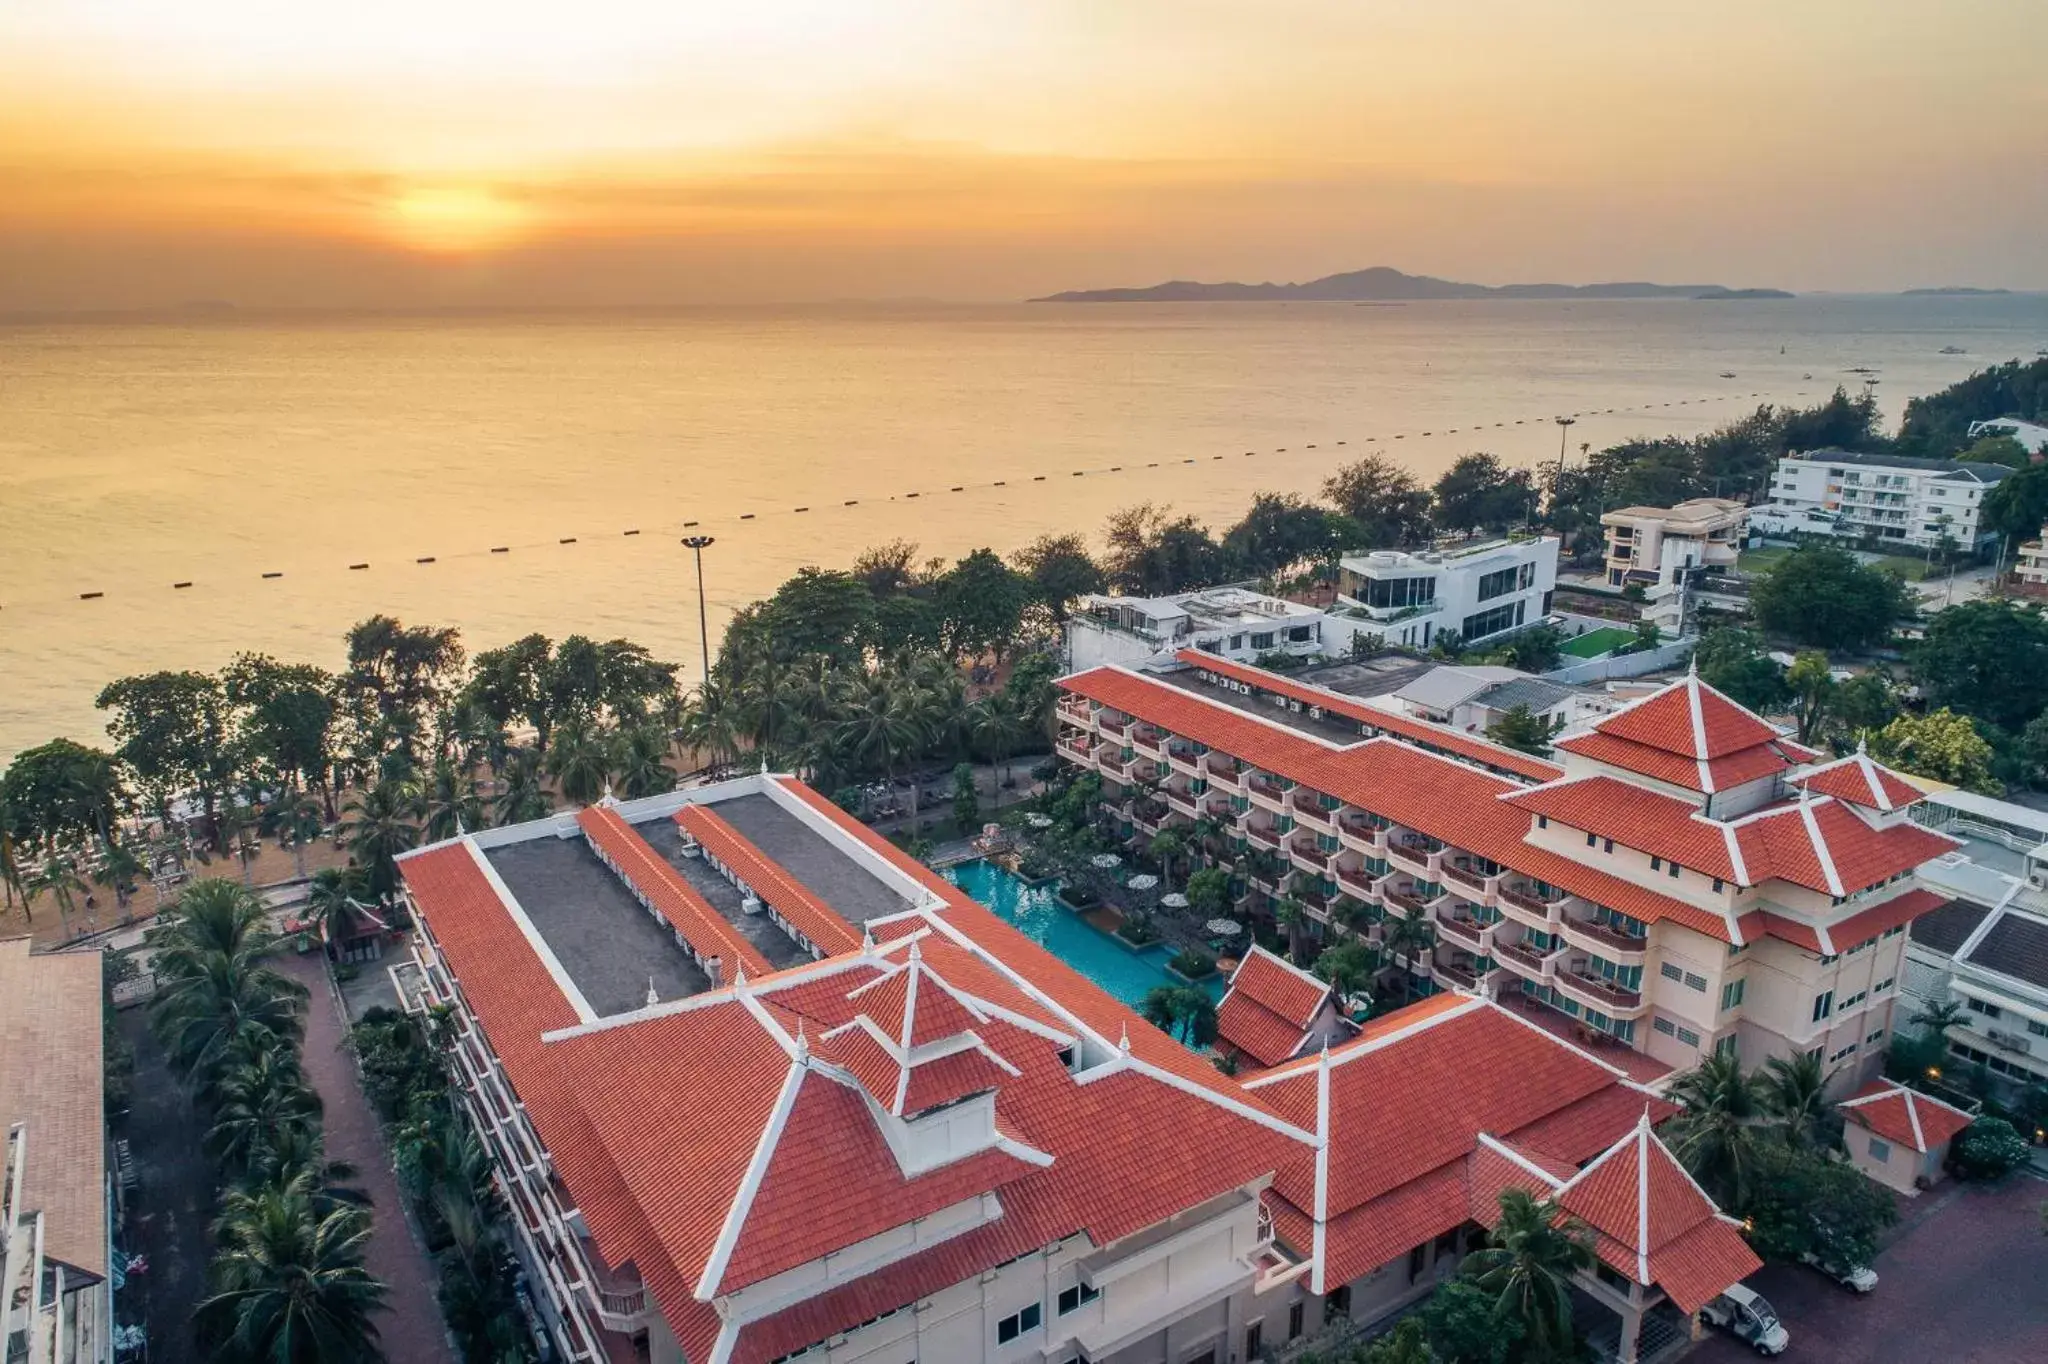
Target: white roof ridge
[(1501, 1146), (1364, 1045), (706, 1287), (1820, 849)]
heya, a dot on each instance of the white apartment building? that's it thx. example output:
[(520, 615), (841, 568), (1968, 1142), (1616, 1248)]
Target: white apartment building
[(1910, 503), (1653, 547), (1232, 622), (2031, 564), (56, 1303), (2032, 436), (1477, 591)]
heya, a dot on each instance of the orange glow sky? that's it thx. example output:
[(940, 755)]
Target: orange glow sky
[(425, 152)]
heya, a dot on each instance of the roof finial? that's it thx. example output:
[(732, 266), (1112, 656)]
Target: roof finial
[(608, 798), (739, 976), (916, 953), (1862, 746), (803, 1043), (652, 998), (1124, 1045), (1692, 665), (460, 829), (867, 939)]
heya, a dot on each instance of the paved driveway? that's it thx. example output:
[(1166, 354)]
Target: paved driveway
[(1966, 1282)]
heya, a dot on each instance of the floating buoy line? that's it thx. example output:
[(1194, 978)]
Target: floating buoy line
[(364, 566)]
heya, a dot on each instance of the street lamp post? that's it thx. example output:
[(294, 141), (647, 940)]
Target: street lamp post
[(698, 544), (1564, 431)]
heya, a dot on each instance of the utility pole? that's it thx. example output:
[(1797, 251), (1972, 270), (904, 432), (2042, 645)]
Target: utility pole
[(1564, 431), (698, 544)]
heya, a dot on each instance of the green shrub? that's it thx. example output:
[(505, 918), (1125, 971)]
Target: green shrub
[(1988, 1148), (1137, 930), (1193, 963)]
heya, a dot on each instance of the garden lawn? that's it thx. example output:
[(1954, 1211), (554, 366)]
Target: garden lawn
[(1594, 643)]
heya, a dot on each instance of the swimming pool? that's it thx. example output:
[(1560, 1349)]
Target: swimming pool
[(1124, 972)]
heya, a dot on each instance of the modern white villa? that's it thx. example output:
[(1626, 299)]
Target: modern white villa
[(1897, 500), (1475, 591)]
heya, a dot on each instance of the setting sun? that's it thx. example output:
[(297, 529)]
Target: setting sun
[(455, 218)]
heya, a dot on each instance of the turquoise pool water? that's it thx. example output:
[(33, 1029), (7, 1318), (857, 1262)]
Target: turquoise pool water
[(1125, 973)]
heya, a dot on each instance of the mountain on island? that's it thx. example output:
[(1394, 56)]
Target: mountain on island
[(1383, 284), (1953, 291)]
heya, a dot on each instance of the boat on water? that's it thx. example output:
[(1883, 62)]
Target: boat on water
[(1727, 374), (1953, 350)]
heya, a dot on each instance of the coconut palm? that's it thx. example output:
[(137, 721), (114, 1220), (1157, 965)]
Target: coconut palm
[(1293, 921), (709, 724), (1406, 942), (377, 826), (58, 879), (582, 759), (879, 726), (224, 1004), (296, 817), (299, 1150), (1182, 1011), (1937, 1018), (1167, 846), (643, 763), (1794, 1090), (521, 796), (1528, 1264), (1715, 1137), (334, 899), (260, 1098), (451, 802), (117, 871), (290, 1286)]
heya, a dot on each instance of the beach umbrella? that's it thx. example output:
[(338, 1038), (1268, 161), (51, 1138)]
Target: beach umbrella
[(1224, 928), (1144, 880), (1038, 821), (1106, 860), (1174, 900)]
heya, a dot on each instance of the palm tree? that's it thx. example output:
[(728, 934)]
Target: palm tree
[(1293, 920), (1715, 1137), (1167, 845), (1528, 1264), (521, 796), (298, 1150), (709, 723), (1937, 1018), (996, 730), (582, 759), (117, 871), (1182, 1011), (1794, 1090), (289, 1279), (1157, 1007), (643, 763), (377, 826), (878, 727), (60, 880), (334, 900), (257, 1101), (204, 1017), (296, 817), (1406, 942), (12, 880), (452, 802)]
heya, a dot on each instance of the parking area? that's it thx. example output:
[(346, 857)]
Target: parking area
[(1961, 1283)]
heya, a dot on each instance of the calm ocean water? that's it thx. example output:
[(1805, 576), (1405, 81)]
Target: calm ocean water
[(133, 457)]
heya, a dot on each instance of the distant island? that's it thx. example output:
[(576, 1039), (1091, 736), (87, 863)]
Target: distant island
[(1382, 284), (1953, 291)]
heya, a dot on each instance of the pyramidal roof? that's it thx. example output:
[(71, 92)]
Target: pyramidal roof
[(1690, 735), (1859, 781), (913, 1044)]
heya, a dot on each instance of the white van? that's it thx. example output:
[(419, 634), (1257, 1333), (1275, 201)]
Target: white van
[(1748, 1316)]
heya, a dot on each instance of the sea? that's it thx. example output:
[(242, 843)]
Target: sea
[(174, 491)]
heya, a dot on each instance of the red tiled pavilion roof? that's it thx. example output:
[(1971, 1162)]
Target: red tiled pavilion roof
[(1905, 1116), (1860, 781)]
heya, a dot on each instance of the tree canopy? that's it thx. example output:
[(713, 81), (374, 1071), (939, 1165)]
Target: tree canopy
[(1824, 596), (1987, 658)]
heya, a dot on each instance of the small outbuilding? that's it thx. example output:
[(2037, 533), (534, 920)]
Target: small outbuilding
[(1899, 1136)]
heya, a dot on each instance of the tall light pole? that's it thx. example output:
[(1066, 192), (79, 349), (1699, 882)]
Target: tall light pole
[(1564, 431), (698, 544)]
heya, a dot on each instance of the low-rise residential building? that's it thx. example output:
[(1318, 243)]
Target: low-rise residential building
[(1476, 592), (58, 1304), (1655, 548), (1899, 1136), (1233, 622), (1682, 880), (758, 1087), (2032, 436), (2030, 565), (1892, 499), (1472, 696)]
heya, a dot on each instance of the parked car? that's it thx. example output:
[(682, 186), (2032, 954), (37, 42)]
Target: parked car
[(1855, 1278), (1748, 1316)]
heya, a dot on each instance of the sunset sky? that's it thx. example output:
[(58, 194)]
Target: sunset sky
[(426, 152)]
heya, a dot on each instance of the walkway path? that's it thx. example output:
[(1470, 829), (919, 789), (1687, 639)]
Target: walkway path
[(411, 1331)]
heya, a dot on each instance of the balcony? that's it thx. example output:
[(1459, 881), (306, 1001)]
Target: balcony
[(1147, 739), (1599, 993), (1077, 710), (1112, 761), (1357, 883), (1311, 813), (1462, 976), (1266, 792), (1362, 837), (1412, 857), (1529, 907), (1589, 936), (1526, 960), (1404, 902), (1467, 931), (1467, 876), (1111, 725), (1263, 837), (1226, 774), (1077, 750), (1309, 854), (1183, 759), (1182, 802)]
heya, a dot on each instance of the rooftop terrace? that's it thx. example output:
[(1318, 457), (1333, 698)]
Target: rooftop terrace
[(609, 945)]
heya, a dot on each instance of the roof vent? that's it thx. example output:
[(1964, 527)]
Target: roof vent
[(751, 905)]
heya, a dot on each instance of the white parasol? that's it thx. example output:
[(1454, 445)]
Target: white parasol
[(1106, 860), (1224, 928), (1173, 899), (1144, 880), (1038, 821)]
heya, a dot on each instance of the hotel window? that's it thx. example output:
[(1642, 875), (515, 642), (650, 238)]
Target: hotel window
[(1591, 839), (1670, 972), (1294, 1322), (2038, 1028), (1497, 584), (1693, 982), (1688, 1037), (1072, 1299), (1384, 592), (1876, 1036), (1823, 1005), (1880, 1149), (1263, 640), (1254, 1339), (1018, 1323), (1978, 1006), (1543, 821), (1483, 623), (1731, 994), (1665, 1026), (1725, 1046), (1656, 864), (1607, 845), (1845, 1052), (1717, 888)]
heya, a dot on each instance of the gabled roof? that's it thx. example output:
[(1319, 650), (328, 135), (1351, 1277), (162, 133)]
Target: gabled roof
[(2015, 945), (687, 912), (789, 897), (1654, 1224), (1859, 781), (51, 1083), (1689, 735), (1267, 1011), (1905, 1116), (1860, 927)]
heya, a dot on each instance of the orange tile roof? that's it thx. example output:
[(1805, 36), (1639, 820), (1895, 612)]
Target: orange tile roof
[(1860, 781), (1437, 796), (1711, 774), (1647, 821), (1248, 1026), (1282, 987), (689, 913), (1579, 1131), (788, 896), (1905, 1116), (1831, 939), (1440, 737), (1689, 718)]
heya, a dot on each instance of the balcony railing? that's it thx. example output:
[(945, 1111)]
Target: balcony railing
[(1527, 959), (1111, 726), (1149, 741), (1470, 932), (1265, 838), (1314, 815), (1357, 883), (1226, 774), (1529, 901), (1358, 834), (1113, 761), (1456, 975), (1600, 938), (1184, 759), (1467, 876), (1403, 902), (1309, 853), (1183, 802), (1602, 993), (1266, 791)]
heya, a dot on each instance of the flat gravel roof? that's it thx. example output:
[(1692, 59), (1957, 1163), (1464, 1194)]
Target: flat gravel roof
[(853, 891)]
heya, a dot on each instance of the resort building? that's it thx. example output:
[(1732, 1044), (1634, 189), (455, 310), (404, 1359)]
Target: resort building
[(1234, 622), (1682, 880), (1655, 548), (1893, 499), (758, 1087), (1473, 591), (58, 1306), (1899, 1136), (2032, 436)]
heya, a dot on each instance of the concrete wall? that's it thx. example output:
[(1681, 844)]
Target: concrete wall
[(1898, 1167)]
